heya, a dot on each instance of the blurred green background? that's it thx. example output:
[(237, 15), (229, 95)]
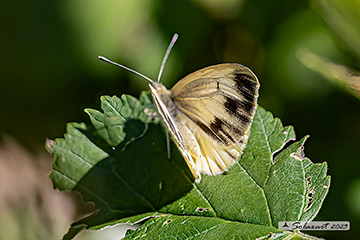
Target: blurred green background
[(303, 53)]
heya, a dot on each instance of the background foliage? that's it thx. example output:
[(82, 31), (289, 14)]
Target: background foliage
[(50, 71)]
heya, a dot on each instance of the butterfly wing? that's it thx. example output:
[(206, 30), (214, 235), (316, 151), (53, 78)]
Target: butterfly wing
[(216, 104), (169, 112)]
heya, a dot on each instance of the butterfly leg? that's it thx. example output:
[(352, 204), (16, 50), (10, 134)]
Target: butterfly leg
[(168, 144)]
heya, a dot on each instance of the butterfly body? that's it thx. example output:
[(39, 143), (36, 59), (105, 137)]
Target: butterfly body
[(209, 114)]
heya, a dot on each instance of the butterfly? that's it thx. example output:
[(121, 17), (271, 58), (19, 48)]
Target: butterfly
[(208, 113)]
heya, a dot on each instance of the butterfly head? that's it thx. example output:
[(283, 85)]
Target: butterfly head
[(160, 92), (159, 87)]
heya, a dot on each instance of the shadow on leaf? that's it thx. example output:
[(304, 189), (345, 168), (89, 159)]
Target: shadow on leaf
[(137, 176)]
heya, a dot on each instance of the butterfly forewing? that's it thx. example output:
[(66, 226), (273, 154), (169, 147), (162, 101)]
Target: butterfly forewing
[(209, 113), (220, 99)]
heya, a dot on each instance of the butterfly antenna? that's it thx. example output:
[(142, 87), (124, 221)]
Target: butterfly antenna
[(173, 40), (122, 66)]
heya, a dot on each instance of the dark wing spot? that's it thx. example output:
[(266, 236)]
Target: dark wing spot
[(246, 80), (225, 131), (246, 106), (231, 105), (244, 118), (245, 86), (248, 96), (234, 107), (217, 126), (221, 131), (208, 131), (237, 132)]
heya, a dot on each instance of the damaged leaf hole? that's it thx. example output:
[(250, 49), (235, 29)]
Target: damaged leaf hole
[(167, 221), (308, 179), (200, 209), (286, 145), (310, 198)]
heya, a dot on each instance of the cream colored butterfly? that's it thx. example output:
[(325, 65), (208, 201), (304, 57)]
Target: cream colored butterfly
[(208, 113)]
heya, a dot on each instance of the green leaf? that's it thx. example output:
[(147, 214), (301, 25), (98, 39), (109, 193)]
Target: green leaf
[(122, 188), (191, 227), (266, 190), (130, 178), (168, 227), (73, 157), (110, 124)]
